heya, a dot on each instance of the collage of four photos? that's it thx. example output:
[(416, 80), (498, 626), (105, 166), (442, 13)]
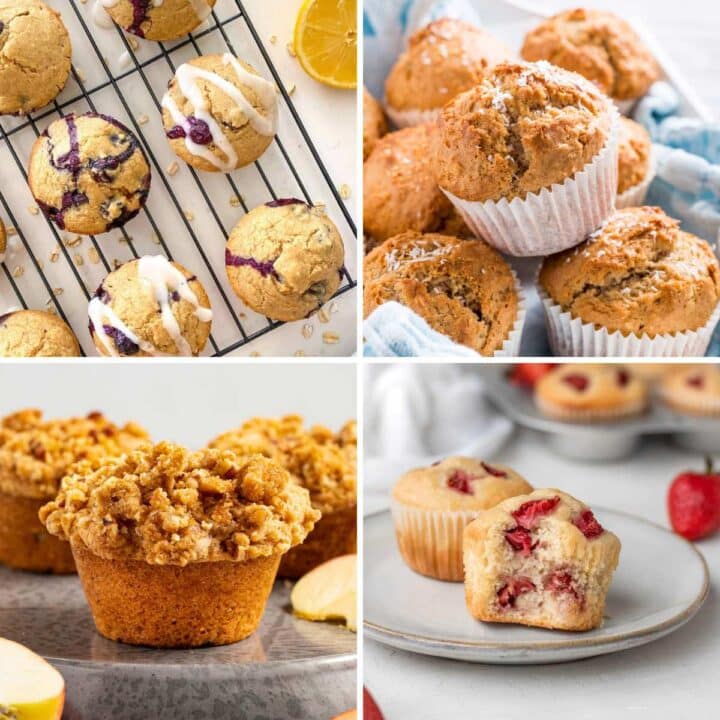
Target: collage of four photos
[(300, 422)]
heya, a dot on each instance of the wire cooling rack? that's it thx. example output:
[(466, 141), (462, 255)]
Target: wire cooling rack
[(188, 214)]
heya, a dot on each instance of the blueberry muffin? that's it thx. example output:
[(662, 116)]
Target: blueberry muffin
[(374, 123), (400, 190), (34, 55), (541, 560), (692, 390), (218, 113), (89, 174), (177, 548), (163, 20), (635, 167), (443, 59), (599, 46), (284, 259), (323, 462), (150, 306), (462, 288), (432, 505), (36, 333), (34, 456)]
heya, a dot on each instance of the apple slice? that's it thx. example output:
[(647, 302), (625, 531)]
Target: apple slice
[(328, 592), (30, 688)]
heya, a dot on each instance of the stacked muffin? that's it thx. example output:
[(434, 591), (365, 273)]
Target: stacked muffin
[(533, 159)]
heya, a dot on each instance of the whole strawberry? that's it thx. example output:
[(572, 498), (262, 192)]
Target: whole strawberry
[(694, 503), (527, 374)]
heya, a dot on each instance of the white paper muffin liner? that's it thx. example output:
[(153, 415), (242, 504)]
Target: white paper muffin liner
[(556, 412), (431, 541), (556, 218), (410, 118), (511, 346), (625, 107), (635, 196), (571, 337), (696, 406)]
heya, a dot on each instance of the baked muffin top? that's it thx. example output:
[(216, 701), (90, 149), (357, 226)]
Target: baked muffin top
[(634, 148), (35, 454), (442, 59), (639, 273), (463, 288), (400, 190), (165, 505), (323, 462), (591, 387), (36, 333), (692, 383), (374, 123), (598, 45), (459, 483), (524, 128)]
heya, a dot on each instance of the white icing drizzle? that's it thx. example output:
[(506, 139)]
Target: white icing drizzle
[(101, 315), (187, 76)]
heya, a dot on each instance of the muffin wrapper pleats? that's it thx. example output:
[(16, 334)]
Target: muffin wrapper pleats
[(556, 412), (410, 118), (431, 541), (625, 107), (554, 219), (571, 337), (511, 346), (635, 196)]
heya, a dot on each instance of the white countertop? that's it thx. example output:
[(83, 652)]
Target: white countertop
[(663, 679)]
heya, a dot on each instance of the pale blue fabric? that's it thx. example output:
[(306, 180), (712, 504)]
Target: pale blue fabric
[(687, 185)]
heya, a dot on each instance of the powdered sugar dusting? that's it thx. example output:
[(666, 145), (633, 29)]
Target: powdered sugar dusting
[(415, 254)]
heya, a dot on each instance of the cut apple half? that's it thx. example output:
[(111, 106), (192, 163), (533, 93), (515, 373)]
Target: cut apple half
[(30, 688), (328, 592)]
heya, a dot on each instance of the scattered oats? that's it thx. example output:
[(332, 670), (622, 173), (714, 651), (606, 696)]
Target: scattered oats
[(320, 204), (41, 265), (33, 209), (79, 259), (333, 307), (11, 230), (254, 353), (344, 191), (123, 240), (172, 168), (330, 338), (134, 44), (235, 200), (291, 88), (143, 119), (80, 74), (189, 215), (273, 39), (54, 255), (94, 256), (58, 291), (299, 353), (154, 237), (73, 242), (307, 331), (19, 271), (242, 315), (116, 263), (83, 1), (291, 50), (323, 315)]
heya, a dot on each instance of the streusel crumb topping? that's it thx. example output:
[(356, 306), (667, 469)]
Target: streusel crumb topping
[(166, 505), (36, 453), (323, 462)]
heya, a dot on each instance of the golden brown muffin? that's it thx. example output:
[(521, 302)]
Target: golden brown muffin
[(319, 460), (598, 45), (692, 390), (639, 273), (165, 20), (524, 128), (634, 148), (3, 240), (463, 288), (36, 333), (400, 190), (374, 123), (34, 456), (179, 549), (442, 59), (432, 505)]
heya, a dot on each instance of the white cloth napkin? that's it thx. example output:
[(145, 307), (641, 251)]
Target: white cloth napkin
[(416, 414)]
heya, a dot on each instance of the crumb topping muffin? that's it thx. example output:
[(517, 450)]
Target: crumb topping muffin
[(400, 190), (634, 148), (159, 20), (639, 273), (165, 505), (88, 173), (374, 123), (442, 59), (36, 333), (35, 453), (598, 45), (463, 288), (526, 127), (150, 307), (219, 114), (34, 55), (692, 389), (591, 392), (284, 259)]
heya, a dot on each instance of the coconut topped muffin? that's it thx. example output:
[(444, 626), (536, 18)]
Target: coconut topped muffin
[(639, 273), (524, 128), (165, 505), (599, 46), (634, 148), (459, 483), (35, 454), (443, 59), (374, 123)]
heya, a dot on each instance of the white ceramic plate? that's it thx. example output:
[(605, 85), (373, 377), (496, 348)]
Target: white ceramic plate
[(660, 583)]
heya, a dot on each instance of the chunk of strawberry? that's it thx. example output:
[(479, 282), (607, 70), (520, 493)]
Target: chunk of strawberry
[(495, 472), (520, 540), (588, 525), (461, 481), (528, 514), (560, 581), (509, 593), (577, 381), (527, 374)]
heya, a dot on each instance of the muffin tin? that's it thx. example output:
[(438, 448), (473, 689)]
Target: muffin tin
[(600, 440), (188, 214)]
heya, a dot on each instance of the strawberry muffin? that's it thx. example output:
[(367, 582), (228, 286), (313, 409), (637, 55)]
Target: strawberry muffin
[(443, 59), (432, 505), (692, 390), (542, 560)]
